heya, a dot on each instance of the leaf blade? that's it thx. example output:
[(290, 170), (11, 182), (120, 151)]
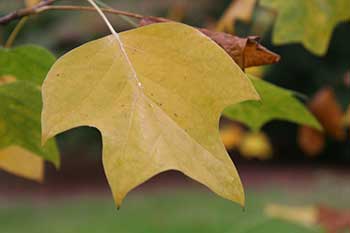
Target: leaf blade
[(308, 22), (152, 131), (20, 120), (26, 63), (276, 104)]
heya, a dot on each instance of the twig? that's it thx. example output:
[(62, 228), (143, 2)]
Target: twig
[(18, 14), (45, 6), (15, 32), (125, 18), (87, 8)]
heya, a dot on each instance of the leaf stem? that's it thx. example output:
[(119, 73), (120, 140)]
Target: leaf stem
[(120, 42), (15, 32), (125, 18), (100, 12)]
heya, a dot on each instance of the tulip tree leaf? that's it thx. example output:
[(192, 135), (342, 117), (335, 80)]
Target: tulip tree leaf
[(276, 104), (156, 99), (29, 63), (21, 162), (22, 70), (309, 22), (20, 109)]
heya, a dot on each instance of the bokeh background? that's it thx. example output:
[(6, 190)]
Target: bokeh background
[(275, 168)]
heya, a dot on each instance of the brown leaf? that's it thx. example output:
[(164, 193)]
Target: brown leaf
[(325, 107), (334, 221), (246, 52), (310, 140)]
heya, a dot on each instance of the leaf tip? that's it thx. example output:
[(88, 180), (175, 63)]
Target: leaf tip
[(57, 163), (239, 195), (241, 199), (118, 200)]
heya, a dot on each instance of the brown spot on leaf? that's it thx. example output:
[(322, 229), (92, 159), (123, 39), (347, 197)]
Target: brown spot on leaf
[(6, 79)]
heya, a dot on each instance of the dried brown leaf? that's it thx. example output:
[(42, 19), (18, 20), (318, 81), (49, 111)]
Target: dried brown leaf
[(325, 107), (246, 52), (310, 140)]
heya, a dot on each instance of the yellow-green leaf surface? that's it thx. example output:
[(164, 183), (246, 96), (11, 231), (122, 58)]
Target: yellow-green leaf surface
[(276, 104), (310, 22), (22, 71), (28, 63), (20, 106), (157, 105)]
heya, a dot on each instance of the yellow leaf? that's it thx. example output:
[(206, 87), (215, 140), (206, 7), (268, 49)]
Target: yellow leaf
[(308, 22), (21, 162), (30, 3), (305, 215), (256, 71), (156, 99), (238, 9), (256, 145), (232, 135)]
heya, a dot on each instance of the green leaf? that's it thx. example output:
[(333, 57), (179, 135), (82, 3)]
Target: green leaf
[(276, 104), (20, 110), (156, 95), (27, 63), (310, 22), (21, 102)]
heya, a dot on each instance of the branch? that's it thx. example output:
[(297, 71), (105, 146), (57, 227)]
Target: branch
[(45, 6), (246, 52), (87, 8), (18, 14), (15, 32)]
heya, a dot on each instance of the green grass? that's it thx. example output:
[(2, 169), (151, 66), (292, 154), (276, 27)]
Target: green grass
[(163, 212)]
